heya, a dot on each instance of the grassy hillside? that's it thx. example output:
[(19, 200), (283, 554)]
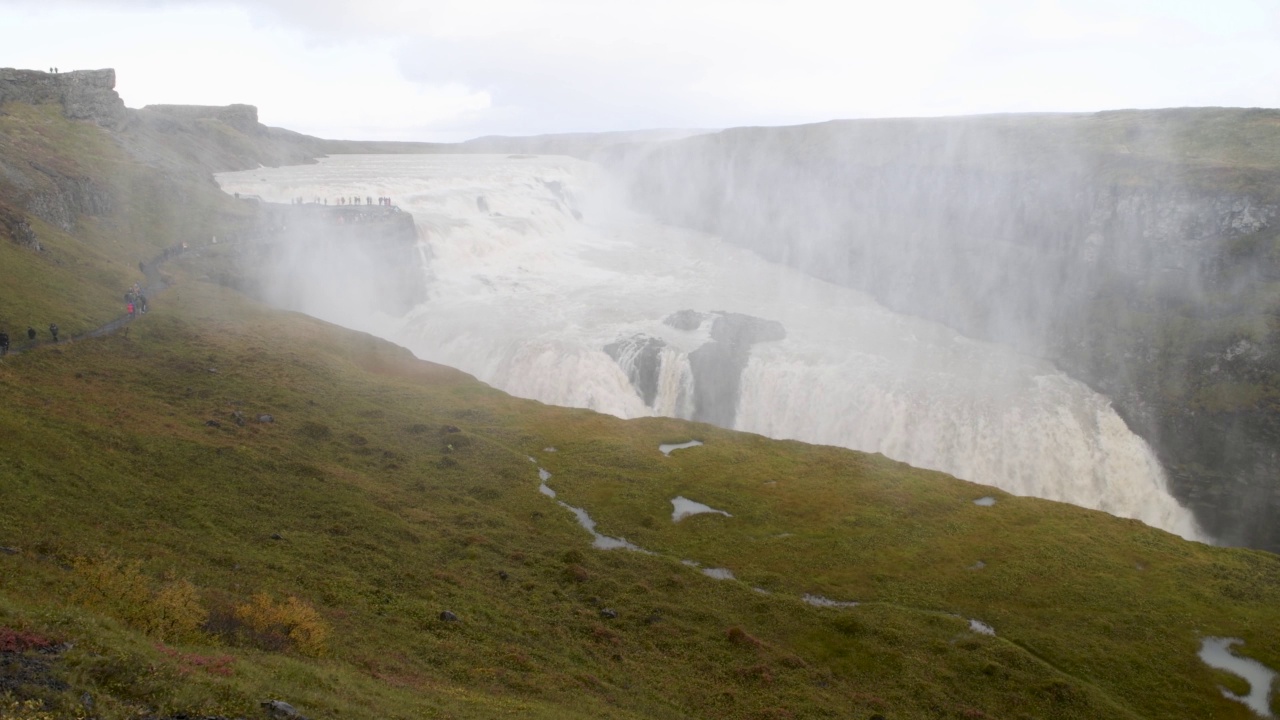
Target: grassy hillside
[(386, 517), (96, 212), (170, 551)]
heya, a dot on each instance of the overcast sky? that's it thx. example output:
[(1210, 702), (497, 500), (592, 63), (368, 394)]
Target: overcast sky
[(443, 70)]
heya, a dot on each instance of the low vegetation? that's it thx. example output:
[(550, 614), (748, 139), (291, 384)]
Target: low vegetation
[(229, 504)]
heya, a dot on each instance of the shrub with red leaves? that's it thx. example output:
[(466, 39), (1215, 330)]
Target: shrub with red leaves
[(188, 663), (16, 641)]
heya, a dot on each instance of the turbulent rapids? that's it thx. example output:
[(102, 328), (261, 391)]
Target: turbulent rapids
[(541, 283)]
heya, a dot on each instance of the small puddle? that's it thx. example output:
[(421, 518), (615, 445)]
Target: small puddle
[(980, 627), (717, 573), (819, 601), (1216, 653), (667, 449), (684, 507), (978, 565), (602, 542), (987, 501)]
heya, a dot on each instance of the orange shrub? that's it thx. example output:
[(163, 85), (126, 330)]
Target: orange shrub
[(282, 625)]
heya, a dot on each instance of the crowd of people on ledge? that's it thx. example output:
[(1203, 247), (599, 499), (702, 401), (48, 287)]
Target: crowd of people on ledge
[(353, 200)]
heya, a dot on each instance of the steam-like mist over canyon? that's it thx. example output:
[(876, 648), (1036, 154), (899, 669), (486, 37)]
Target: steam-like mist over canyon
[(1132, 249), (540, 281)]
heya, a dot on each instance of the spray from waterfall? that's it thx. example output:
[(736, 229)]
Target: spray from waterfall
[(542, 284)]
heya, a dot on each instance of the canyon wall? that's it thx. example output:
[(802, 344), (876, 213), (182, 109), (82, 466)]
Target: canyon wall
[(1137, 250)]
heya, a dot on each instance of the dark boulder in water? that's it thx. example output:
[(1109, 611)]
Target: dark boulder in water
[(687, 320)]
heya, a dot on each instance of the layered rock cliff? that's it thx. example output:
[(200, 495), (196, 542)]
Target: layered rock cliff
[(1137, 250), (83, 94)]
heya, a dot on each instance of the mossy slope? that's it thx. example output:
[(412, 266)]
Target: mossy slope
[(147, 506)]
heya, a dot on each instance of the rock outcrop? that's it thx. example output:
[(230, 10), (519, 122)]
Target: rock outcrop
[(716, 366), (301, 252), (241, 117), (18, 229), (83, 94)]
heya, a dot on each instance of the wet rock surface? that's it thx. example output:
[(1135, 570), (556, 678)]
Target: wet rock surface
[(717, 366), (641, 357), (687, 320)]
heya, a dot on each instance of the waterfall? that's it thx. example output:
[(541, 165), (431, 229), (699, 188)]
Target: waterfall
[(542, 284)]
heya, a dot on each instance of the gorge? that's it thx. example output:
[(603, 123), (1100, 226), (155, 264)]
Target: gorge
[(541, 282)]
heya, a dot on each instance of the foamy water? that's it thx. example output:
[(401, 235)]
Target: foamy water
[(526, 287)]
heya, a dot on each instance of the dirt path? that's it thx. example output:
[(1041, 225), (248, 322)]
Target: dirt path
[(153, 284)]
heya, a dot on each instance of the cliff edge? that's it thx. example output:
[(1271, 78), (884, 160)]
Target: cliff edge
[(83, 94)]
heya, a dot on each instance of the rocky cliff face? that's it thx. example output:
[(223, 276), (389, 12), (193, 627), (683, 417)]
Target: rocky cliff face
[(1143, 265), (83, 94), (179, 145), (241, 117), (156, 164), (54, 192), (305, 256)]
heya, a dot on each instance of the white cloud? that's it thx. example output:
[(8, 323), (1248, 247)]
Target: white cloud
[(452, 69)]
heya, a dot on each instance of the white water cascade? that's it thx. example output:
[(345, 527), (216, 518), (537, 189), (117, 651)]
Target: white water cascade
[(535, 267)]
